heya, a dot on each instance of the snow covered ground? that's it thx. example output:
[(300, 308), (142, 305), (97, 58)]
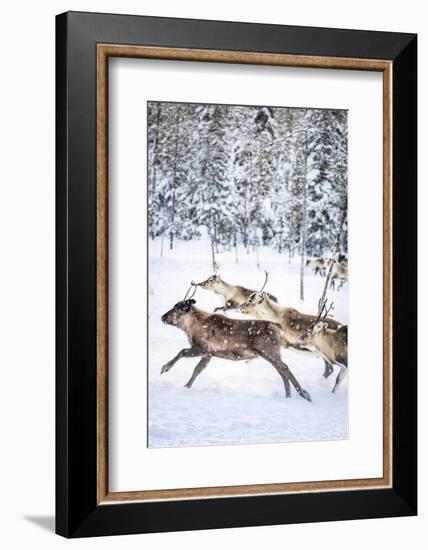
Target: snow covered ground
[(235, 402)]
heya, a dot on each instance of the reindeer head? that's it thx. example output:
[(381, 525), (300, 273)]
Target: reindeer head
[(173, 316), (317, 326), (254, 300), (181, 309), (213, 283), (320, 327)]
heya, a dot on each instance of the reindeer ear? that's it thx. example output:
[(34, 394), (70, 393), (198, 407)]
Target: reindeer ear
[(321, 327), (189, 304), (186, 305), (318, 327)]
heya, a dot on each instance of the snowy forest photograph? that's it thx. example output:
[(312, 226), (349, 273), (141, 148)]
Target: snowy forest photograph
[(248, 274)]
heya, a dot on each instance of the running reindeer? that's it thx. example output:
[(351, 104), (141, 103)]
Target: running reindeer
[(339, 273), (214, 335), (292, 321), (232, 295), (332, 344), (317, 265)]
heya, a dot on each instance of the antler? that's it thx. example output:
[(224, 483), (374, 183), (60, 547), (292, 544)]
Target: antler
[(194, 286), (327, 310), (266, 280), (321, 317)]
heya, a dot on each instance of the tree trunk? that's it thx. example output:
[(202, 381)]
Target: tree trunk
[(280, 246), (303, 228), (334, 254), (171, 233), (245, 224), (174, 183), (153, 166), (213, 255), (155, 150)]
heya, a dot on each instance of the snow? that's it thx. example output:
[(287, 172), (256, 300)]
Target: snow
[(236, 402)]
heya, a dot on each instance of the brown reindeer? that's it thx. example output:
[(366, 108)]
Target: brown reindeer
[(232, 295), (292, 321), (332, 344), (214, 335)]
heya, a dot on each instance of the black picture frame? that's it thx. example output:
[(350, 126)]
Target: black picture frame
[(77, 511)]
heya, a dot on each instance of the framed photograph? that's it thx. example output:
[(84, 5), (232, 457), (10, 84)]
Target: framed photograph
[(236, 211)]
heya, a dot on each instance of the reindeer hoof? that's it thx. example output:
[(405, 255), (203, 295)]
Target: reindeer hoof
[(165, 368), (188, 386), (305, 395)]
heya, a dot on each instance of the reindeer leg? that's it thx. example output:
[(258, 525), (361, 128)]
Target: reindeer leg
[(198, 369), (286, 383), (187, 352), (339, 378), (227, 306), (284, 379), (275, 360), (281, 374), (328, 369)]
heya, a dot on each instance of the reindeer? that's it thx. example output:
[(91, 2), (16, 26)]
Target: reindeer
[(317, 265), (292, 321), (332, 344), (339, 273), (342, 260), (232, 295), (215, 335)]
